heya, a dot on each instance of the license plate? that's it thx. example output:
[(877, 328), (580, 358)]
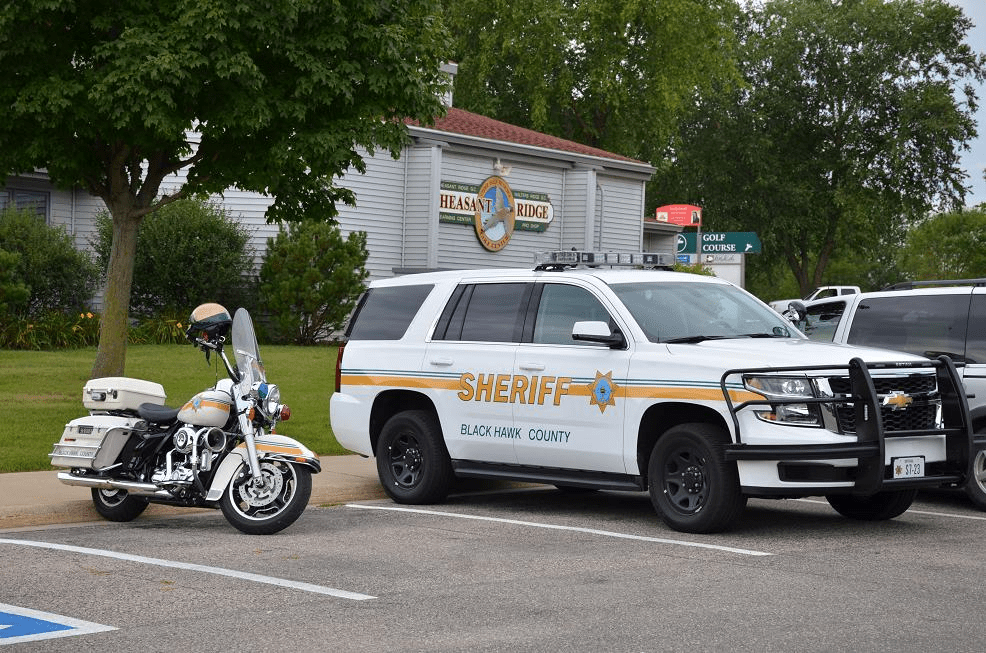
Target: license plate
[(910, 467)]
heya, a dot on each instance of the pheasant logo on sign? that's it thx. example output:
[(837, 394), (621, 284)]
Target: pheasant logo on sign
[(495, 215)]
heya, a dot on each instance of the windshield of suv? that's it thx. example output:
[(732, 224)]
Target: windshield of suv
[(690, 312)]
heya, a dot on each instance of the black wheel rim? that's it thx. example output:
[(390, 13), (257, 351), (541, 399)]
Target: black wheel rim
[(406, 460), (112, 498), (685, 482)]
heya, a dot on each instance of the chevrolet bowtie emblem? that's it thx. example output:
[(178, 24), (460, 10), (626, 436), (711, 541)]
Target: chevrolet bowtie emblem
[(897, 400)]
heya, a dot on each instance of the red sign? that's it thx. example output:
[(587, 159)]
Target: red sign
[(686, 215)]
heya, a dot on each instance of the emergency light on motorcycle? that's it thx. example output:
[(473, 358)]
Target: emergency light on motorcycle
[(555, 260)]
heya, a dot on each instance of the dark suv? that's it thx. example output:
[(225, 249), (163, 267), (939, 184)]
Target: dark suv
[(928, 318)]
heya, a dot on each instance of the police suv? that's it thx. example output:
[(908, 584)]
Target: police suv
[(591, 372)]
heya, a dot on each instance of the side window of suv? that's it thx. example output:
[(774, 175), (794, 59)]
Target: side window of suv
[(975, 348), (822, 320), (926, 325), (485, 312), (561, 306), (386, 313)]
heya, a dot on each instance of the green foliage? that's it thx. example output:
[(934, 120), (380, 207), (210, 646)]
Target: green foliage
[(613, 74), (50, 330), (948, 246), (311, 279), (13, 293), (848, 128), (58, 276), (279, 98), (188, 252), (696, 268)]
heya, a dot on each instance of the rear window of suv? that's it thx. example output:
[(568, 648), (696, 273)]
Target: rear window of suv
[(926, 325), (386, 313)]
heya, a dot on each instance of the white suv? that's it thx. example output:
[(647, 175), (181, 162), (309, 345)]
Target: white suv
[(630, 379), (926, 318)]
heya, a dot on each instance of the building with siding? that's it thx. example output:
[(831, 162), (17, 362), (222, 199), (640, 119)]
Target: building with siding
[(422, 211)]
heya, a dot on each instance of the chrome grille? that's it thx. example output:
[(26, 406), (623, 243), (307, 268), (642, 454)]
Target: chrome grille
[(922, 414)]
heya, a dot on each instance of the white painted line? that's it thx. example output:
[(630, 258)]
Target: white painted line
[(912, 511), (591, 531), (63, 626), (219, 571)]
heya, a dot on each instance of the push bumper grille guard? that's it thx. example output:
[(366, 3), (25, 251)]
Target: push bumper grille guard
[(869, 448)]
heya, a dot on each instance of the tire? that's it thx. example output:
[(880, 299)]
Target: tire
[(117, 505), (692, 487), (879, 507), (273, 506), (412, 461), (975, 487)]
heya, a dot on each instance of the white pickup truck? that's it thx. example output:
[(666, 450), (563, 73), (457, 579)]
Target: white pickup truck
[(822, 292)]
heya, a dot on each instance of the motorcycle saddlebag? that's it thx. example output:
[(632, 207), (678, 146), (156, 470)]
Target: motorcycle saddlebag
[(93, 442), (121, 393)]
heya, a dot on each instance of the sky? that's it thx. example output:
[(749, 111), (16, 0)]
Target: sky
[(974, 161)]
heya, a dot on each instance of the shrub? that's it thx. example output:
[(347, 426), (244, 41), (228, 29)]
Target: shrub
[(310, 280), (58, 276), (13, 293), (188, 252)]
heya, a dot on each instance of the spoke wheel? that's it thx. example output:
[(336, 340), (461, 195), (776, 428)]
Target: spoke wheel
[(412, 461), (692, 487), (270, 503)]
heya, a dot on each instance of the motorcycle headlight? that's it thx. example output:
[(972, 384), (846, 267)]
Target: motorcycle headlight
[(271, 398), (786, 389)]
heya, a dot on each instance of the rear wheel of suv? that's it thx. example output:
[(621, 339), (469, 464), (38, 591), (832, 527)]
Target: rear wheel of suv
[(692, 486), (412, 461), (880, 506), (975, 488)]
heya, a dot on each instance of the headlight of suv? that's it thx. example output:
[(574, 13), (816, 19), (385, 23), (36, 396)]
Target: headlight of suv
[(786, 389)]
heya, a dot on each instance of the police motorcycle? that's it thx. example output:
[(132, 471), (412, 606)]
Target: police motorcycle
[(218, 450)]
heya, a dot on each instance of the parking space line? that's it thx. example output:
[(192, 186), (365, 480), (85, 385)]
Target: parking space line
[(590, 531), (219, 571)]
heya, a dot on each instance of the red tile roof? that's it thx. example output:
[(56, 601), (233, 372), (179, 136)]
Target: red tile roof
[(459, 121)]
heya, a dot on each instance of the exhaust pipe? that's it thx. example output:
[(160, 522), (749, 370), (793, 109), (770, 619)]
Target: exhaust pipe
[(132, 487)]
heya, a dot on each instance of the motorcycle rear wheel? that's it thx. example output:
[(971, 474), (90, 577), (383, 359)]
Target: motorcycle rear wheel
[(273, 505), (117, 505)]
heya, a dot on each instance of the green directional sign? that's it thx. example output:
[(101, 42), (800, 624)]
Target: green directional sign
[(726, 242)]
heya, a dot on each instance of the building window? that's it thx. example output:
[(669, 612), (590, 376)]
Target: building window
[(25, 200)]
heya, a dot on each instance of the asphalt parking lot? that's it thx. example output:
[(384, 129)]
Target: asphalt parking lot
[(510, 569)]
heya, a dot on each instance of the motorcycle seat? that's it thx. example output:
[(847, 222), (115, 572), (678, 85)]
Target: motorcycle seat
[(156, 413)]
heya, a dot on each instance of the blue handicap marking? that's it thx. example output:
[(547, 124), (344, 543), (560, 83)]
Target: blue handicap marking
[(25, 625)]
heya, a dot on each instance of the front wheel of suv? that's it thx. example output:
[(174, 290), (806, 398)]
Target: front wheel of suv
[(412, 461), (975, 488)]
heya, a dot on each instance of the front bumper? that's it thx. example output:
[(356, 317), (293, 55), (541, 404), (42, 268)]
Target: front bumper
[(860, 465)]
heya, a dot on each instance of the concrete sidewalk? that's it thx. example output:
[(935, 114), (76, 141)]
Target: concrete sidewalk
[(38, 498)]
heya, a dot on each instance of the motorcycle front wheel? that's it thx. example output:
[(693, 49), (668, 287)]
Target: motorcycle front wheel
[(271, 505)]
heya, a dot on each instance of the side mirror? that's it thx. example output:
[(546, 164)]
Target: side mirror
[(795, 312), (598, 332)]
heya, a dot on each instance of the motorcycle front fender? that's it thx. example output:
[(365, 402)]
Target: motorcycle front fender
[(269, 447)]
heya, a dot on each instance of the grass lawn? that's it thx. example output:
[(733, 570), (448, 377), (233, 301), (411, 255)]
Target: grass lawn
[(44, 390)]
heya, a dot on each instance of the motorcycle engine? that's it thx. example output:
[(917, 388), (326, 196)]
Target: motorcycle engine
[(194, 450)]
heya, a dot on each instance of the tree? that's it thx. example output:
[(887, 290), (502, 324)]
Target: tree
[(613, 74), (847, 129), (276, 97), (311, 279), (948, 246)]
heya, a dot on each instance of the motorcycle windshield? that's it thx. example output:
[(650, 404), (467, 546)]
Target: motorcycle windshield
[(247, 351)]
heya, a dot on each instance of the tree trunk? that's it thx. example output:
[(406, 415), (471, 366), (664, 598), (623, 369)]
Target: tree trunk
[(112, 351)]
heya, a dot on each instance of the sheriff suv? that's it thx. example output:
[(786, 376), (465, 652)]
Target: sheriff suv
[(589, 372), (926, 318)]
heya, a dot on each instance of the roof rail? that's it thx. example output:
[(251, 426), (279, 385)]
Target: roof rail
[(935, 283), (564, 259)]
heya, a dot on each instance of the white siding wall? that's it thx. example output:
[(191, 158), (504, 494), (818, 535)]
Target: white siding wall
[(619, 214), (417, 209)]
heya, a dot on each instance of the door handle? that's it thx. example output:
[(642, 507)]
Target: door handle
[(532, 367), (443, 362)]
